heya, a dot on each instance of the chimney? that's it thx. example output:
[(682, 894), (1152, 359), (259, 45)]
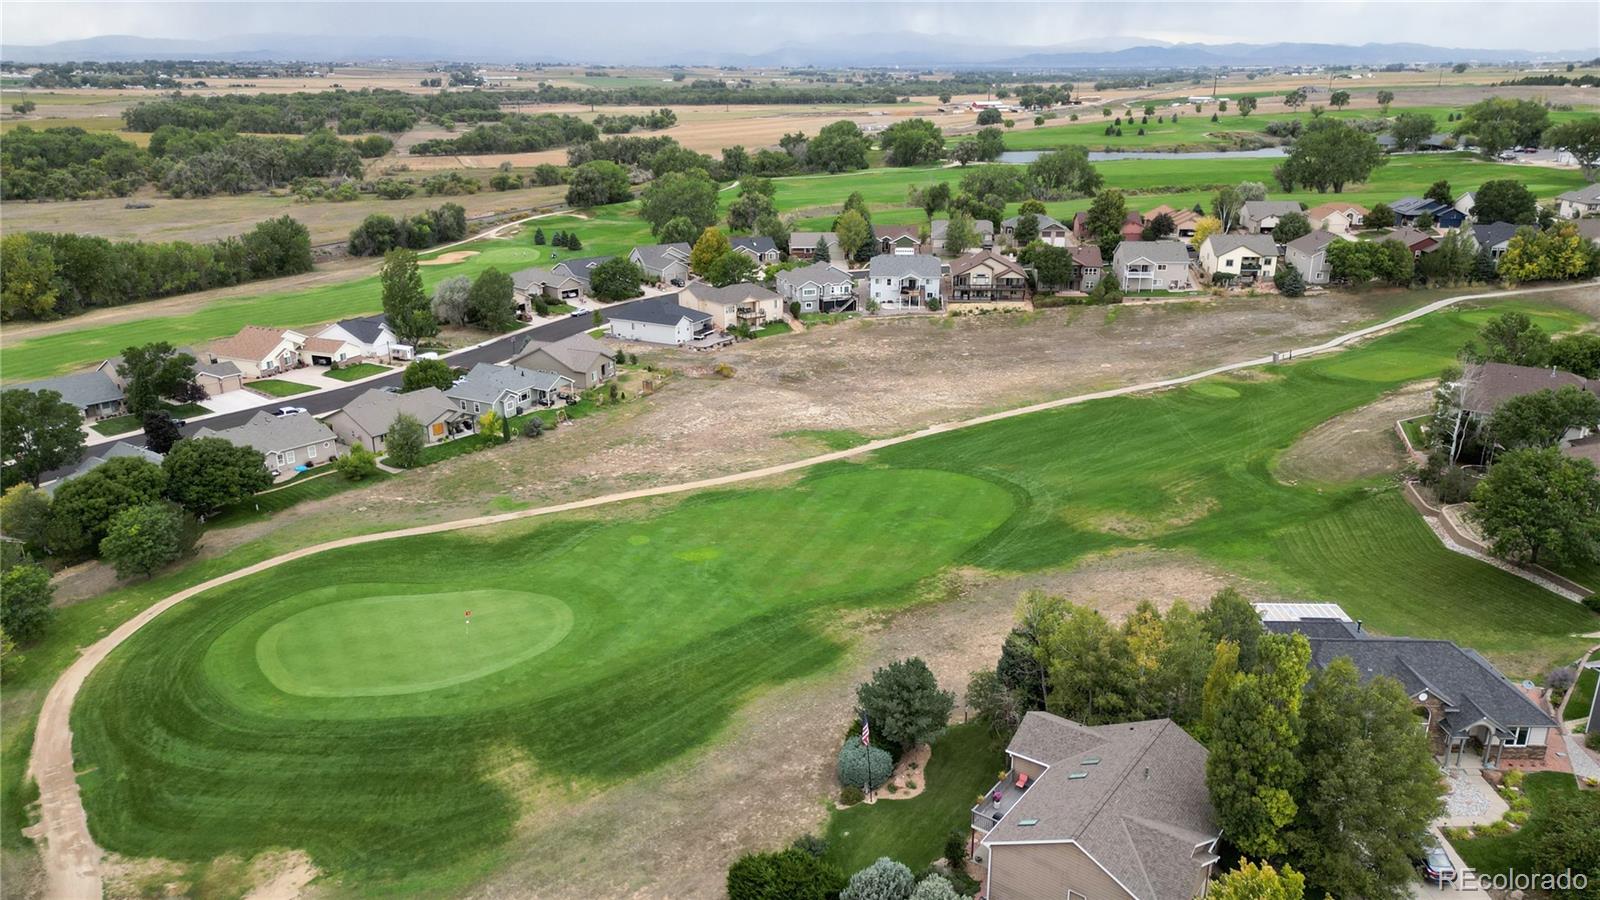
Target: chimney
[(1146, 773)]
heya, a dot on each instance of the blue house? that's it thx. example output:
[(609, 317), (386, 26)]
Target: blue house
[(1408, 209)]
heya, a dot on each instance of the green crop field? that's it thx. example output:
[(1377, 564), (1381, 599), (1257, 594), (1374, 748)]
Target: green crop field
[(616, 229), (338, 703)]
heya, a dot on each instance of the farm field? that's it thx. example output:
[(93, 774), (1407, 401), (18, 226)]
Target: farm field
[(813, 198), (677, 618)]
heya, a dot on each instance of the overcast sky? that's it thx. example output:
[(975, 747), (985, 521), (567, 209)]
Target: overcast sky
[(759, 26)]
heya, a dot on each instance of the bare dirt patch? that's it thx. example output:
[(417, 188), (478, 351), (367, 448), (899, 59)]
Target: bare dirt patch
[(1358, 444), (674, 832), (445, 259)]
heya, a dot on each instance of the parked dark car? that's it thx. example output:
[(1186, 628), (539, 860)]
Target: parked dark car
[(1436, 865)]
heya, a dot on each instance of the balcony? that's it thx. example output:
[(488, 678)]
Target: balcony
[(987, 814)]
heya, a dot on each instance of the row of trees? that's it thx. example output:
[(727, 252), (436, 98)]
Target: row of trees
[(45, 276), (379, 233), (487, 302), (515, 133), (301, 112), (1323, 771)]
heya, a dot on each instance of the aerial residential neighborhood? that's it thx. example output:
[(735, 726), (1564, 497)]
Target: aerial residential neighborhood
[(1013, 451)]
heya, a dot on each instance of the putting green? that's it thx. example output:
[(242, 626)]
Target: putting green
[(406, 643)]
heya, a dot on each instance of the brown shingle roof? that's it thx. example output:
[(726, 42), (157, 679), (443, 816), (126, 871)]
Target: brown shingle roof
[(1141, 810), (252, 342), (1088, 256), (969, 260), (1487, 385)]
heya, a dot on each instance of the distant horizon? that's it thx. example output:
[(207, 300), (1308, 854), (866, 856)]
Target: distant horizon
[(656, 32)]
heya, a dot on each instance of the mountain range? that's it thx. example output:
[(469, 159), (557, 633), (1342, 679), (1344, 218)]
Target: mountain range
[(840, 49)]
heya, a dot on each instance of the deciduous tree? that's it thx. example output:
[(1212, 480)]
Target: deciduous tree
[(1104, 221), (711, 245), (492, 302), (1540, 506), (838, 147), (205, 474), (1330, 154), (25, 595), (688, 195), (597, 183), (40, 432), (84, 506), (405, 306), (1581, 138), (1410, 129), (1505, 200), (141, 539), (1510, 337), (422, 373), (911, 142), (618, 278), (450, 299)]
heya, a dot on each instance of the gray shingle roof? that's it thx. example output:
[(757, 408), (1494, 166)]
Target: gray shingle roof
[(374, 411), (536, 276), (1314, 242), (891, 266), (730, 295), (487, 382), (1470, 687), (1169, 252), (657, 256), (577, 352), (115, 451), (1493, 233), (1044, 222), (1589, 193), (821, 273), (1258, 209), (578, 268), (366, 329), (216, 369), (81, 390), (1141, 811), (1259, 244), (937, 230), (757, 243), (663, 310), (268, 433)]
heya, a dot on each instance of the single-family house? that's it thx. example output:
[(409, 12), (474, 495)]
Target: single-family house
[(1494, 237), (578, 268), (1183, 222), (1152, 266), (803, 245), (1309, 254), (1337, 216), (259, 352), (758, 247), (553, 286), (116, 451), (94, 394), (1132, 226), (663, 263), (1080, 225), (659, 320), (1466, 203), (328, 351), (507, 390), (1589, 229), (897, 240), (579, 357), (1247, 257), (1088, 267), (941, 227), (284, 442), (987, 280), (366, 420), (1257, 216), (1584, 201), (1407, 210), (819, 287), (1102, 812), (897, 281), (1470, 711), (751, 305), (371, 335), (1418, 242), (217, 378), (1052, 232)]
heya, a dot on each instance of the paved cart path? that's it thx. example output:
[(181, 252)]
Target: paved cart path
[(71, 858)]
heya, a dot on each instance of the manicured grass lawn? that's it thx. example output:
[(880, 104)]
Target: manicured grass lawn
[(191, 750), (1497, 854), (277, 387), (913, 831), (773, 328), (1413, 430), (1178, 182), (125, 424), (356, 372), (1582, 696)]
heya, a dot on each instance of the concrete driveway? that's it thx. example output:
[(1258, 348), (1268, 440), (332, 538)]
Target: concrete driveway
[(1421, 888)]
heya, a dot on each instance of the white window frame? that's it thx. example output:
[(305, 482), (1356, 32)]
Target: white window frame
[(1519, 736), (288, 457), (311, 452)]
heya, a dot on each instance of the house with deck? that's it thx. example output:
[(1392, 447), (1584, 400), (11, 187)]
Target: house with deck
[(1103, 812), (1051, 231), (1494, 237), (1309, 254), (1249, 258), (1473, 715), (897, 281), (803, 245), (1088, 267), (987, 280), (1584, 201), (820, 287), (746, 304), (507, 390), (1152, 266), (660, 320)]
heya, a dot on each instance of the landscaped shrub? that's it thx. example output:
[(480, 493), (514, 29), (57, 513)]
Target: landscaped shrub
[(863, 766), (1513, 779), (533, 427), (885, 879), (850, 795), (1222, 279), (1592, 739), (1455, 485), (1592, 603), (787, 873)]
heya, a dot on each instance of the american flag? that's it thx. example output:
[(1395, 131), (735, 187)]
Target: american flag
[(866, 733)]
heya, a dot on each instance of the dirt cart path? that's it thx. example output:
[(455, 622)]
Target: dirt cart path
[(71, 858)]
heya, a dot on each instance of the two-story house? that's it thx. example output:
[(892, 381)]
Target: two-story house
[(898, 281), (1309, 254), (1247, 257), (986, 280), (1584, 201), (1257, 216), (819, 287), (1152, 266), (663, 263)]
